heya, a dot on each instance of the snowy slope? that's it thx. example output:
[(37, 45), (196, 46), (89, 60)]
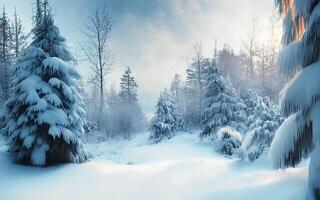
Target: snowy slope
[(182, 168)]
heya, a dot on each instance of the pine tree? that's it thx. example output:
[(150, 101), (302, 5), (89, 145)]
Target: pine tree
[(6, 54), (299, 135), (43, 119), (222, 106), (195, 87), (131, 117), (165, 121), (128, 86), (177, 92), (19, 38)]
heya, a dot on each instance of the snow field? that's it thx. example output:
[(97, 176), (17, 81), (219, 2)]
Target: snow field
[(181, 168)]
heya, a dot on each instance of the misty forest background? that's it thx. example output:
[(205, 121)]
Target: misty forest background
[(248, 80)]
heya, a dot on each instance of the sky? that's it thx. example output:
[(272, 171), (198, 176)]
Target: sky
[(155, 37)]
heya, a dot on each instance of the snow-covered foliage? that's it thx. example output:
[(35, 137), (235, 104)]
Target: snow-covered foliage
[(223, 106), (263, 121), (166, 120), (228, 141), (43, 119), (298, 136), (297, 95)]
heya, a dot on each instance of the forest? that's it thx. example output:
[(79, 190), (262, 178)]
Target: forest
[(231, 118)]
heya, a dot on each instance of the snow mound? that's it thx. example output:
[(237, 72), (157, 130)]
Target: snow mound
[(228, 141)]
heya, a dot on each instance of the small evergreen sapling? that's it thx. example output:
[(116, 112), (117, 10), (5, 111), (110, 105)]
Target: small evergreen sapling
[(166, 120)]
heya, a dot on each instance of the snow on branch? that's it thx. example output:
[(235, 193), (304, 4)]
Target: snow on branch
[(300, 95)]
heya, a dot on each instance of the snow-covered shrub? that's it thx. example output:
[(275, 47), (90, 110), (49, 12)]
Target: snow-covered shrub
[(223, 106), (249, 98), (43, 118), (166, 120), (262, 125), (228, 141)]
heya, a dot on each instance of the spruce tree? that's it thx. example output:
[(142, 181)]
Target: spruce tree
[(166, 120), (299, 135), (43, 119), (128, 86), (222, 106)]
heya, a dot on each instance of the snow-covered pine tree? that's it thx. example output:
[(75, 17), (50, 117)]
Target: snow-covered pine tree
[(222, 105), (173, 105), (6, 54), (43, 119), (249, 98), (263, 121), (299, 134), (166, 120)]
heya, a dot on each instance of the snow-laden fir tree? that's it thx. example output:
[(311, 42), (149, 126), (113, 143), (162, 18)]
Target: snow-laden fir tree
[(299, 135), (263, 121), (166, 121), (222, 106), (43, 119), (249, 98)]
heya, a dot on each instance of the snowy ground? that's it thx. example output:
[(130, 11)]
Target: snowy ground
[(182, 168)]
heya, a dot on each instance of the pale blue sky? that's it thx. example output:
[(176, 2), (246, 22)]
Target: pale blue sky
[(155, 37)]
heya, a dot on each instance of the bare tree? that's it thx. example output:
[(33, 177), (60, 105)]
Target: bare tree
[(96, 52), (250, 46), (270, 78)]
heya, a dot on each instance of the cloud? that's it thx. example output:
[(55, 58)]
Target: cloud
[(156, 37)]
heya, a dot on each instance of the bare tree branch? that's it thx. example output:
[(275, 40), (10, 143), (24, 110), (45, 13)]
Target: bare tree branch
[(95, 51)]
